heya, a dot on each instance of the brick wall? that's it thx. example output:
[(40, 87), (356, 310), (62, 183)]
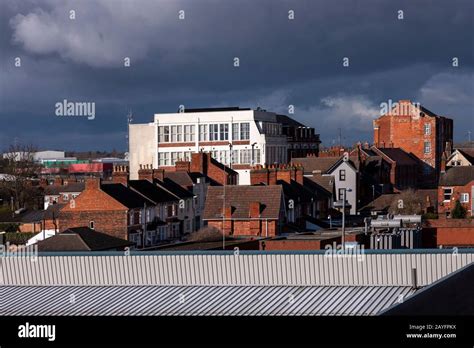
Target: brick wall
[(93, 204), (450, 232), (247, 227), (457, 190), (406, 130)]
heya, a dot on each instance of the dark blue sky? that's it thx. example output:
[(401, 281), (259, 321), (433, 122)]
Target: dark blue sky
[(282, 62)]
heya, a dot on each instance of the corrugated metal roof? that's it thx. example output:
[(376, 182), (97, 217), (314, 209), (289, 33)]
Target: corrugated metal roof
[(242, 269), (199, 300)]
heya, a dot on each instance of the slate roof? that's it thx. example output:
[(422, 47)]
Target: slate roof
[(181, 178), (151, 191), (174, 188), (457, 176), (310, 164), (126, 196), (468, 153), (398, 155), (82, 239), (239, 198), (55, 190), (324, 181)]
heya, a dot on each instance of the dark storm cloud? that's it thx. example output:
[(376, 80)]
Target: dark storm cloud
[(190, 62)]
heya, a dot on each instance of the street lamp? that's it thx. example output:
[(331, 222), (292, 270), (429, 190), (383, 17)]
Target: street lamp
[(344, 205)]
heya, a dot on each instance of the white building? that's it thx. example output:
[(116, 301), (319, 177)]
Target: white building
[(236, 137)]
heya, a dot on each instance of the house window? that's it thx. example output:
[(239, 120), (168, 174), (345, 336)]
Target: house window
[(244, 131), (164, 158), (203, 134), (175, 156), (464, 198), (245, 156), (447, 193), (342, 175), (340, 194), (224, 131), (427, 129), (235, 156), (65, 197), (176, 133), (91, 225), (235, 131), (213, 132), (189, 133), (427, 147), (164, 134), (257, 155)]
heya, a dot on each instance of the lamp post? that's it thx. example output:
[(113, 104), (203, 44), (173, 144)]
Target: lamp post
[(343, 236)]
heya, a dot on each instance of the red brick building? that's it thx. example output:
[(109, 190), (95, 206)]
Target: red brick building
[(245, 210), (456, 184), (419, 131)]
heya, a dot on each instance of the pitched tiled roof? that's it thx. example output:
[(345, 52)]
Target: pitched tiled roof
[(174, 188), (151, 191), (126, 196), (55, 190), (239, 198), (457, 176), (324, 181), (181, 178), (311, 164), (82, 238), (468, 153), (398, 155)]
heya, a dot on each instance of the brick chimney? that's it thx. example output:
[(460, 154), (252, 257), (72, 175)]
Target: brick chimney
[(299, 175), (58, 181), (199, 162), (442, 168), (120, 175), (145, 172), (183, 166), (254, 210), (254, 213), (92, 183), (284, 173), (158, 174)]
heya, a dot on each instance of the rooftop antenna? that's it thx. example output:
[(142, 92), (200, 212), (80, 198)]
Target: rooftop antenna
[(129, 121), (469, 135), (340, 137)]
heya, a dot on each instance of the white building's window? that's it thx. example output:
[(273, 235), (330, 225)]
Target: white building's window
[(427, 147), (224, 131), (244, 131), (464, 198), (256, 153), (235, 156), (213, 132), (427, 129), (163, 158), (164, 134), (176, 134), (215, 155), (203, 134), (188, 133), (175, 157), (245, 156), (224, 156), (235, 131), (65, 197), (187, 156), (342, 175), (447, 193)]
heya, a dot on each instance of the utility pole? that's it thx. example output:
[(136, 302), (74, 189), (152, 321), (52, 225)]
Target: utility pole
[(343, 237)]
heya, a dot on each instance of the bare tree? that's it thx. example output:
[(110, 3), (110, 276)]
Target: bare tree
[(206, 234), (19, 168), (407, 202)]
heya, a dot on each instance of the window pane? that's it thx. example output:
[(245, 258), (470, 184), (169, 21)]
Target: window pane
[(244, 131), (235, 131)]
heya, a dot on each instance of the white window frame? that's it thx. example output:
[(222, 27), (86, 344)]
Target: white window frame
[(427, 147), (464, 197), (427, 129), (450, 195), (245, 131)]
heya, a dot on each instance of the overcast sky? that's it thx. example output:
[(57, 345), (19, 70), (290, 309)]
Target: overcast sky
[(190, 61)]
